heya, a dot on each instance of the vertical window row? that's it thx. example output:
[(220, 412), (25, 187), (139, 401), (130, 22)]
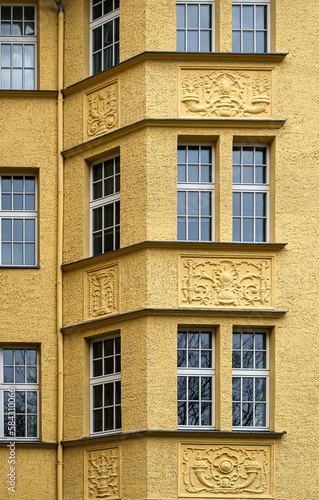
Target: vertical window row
[(250, 26), (105, 33), (18, 47), (105, 205), (18, 218), (194, 26)]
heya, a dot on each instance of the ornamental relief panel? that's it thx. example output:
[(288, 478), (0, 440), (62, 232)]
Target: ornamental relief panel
[(102, 474), (217, 471), (225, 283), (101, 113), (102, 292), (225, 94)]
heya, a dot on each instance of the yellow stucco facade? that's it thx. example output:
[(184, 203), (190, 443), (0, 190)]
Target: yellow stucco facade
[(74, 301)]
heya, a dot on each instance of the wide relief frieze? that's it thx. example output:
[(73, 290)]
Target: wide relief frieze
[(102, 292), (217, 471), (102, 474), (225, 283), (225, 94), (101, 110)]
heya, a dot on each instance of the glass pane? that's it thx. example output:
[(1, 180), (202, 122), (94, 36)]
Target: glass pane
[(236, 389), (261, 17), (17, 202), (17, 29), (192, 16), (206, 233), (206, 206), (29, 254), (97, 396), (29, 202), (31, 402), (206, 173), (97, 218), (181, 339), (206, 359), (97, 368), (193, 340), (260, 201), (181, 228), (236, 359), (193, 359), (193, 414), (97, 39), (19, 356), (236, 45), (118, 417), (29, 29), (260, 415), (248, 389), (181, 154), (19, 375), (248, 359), (248, 230), (5, 29), (236, 17), (236, 414), (97, 244), (206, 413), (180, 16), (117, 393), (236, 230), (247, 415), (109, 394), (193, 173), (8, 374), (181, 388), (181, 358), (8, 356), (31, 375), (17, 254), (97, 172), (20, 425), (205, 340), (260, 175), (17, 79), (108, 34), (17, 230), (248, 204), (248, 341), (193, 388), (108, 186), (29, 13), (6, 254), (31, 357), (97, 421), (260, 341), (181, 173), (248, 17), (6, 228), (181, 41), (193, 203), (32, 426), (5, 79), (236, 204), (206, 388), (29, 56), (260, 230), (181, 410), (192, 41), (97, 11), (5, 55), (108, 365), (17, 13), (205, 41), (108, 419), (261, 41), (5, 12), (248, 175), (17, 56), (205, 16), (248, 41), (108, 57), (260, 389), (236, 174), (193, 154), (20, 401)]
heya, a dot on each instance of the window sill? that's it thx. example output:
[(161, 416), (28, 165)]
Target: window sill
[(19, 267), (21, 441)]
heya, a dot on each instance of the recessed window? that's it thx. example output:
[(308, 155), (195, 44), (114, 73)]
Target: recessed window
[(195, 26), (18, 219), (195, 378), (250, 193), (19, 392), (105, 205), (105, 34), (18, 47), (250, 379), (250, 26), (106, 385), (195, 193)]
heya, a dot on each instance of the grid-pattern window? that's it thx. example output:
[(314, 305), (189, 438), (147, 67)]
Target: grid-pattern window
[(105, 34), (250, 26), (250, 379), (194, 26), (195, 193), (250, 193), (105, 205), (19, 392), (195, 378), (106, 385), (18, 47), (18, 219)]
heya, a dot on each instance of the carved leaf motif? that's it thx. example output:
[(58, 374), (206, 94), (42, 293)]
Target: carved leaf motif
[(103, 475), (102, 110), (103, 291)]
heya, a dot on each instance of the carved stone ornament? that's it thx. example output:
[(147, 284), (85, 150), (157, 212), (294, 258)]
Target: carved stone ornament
[(225, 471), (103, 473), (233, 283), (103, 291), (101, 110), (226, 94)]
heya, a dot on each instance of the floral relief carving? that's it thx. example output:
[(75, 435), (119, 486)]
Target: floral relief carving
[(103, 474), (211, 282), (226, 94), (225, 471), (103, 288), (102, 110)]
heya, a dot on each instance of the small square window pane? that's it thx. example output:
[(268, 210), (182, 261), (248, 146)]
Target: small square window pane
[(29, 202), (206, 340), (108, 419), (206, 359), (19, 375), (181, 228), (108, 365), (193, 203), (97, 350), (31, 402), (97, 244), (97, 11), (206, 388), (17, 13), (181, 358), (260, 389), (260, 202), (193, 359), (31, 357), (236, 174), (31, 375), (17, 202), (117, 393), (17, 61), (108, 34), (260, 175), (206, 173), (181, 154), (261, 17), (5, 29), (236, 341), (97, 218), (181, 340), (29, 29), (29, 56), (248, 340), (260, 360), (19, 356), (20, 425), (8, 356), (193, 154), (97, 368), (5, 12), (206, 203), (248, 359), (247, 414), (107, 58), (193, 173), (5, 79), (236, 414), (17, 29), (193, 340), (248, 174), (97, 396), (20, 401), (29, 13), (181, 173), (97, 39), (182, 413), (260, 341), (193, 414)]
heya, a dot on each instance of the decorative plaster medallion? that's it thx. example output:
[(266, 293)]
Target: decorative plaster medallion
[(103, 473), (225, 94), (234, 283), (102, 291), (101, 110), (225, 471)]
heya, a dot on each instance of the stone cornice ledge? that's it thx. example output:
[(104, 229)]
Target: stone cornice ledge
[(181, 246), (211, 123), (28, 94), (182, 57), (183, 312)]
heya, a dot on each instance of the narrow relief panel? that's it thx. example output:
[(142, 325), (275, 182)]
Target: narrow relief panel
[(225, 94), (102, 292), (102, 473), (101, 110), (231, 283), (207, 471)]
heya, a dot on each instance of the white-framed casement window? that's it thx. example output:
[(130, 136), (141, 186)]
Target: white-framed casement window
[(250, 395), (18, 41), (18, 219), (195, 378), (105, 205), (106, 385), (105, 34), (195, 192), (19, 393), (250, 26), (194, 23), (250, 193)]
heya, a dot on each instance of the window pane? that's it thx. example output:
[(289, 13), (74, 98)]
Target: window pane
[(193, 203), (193, 414), (248, 204), (248, 230), (182, 412), (192, 16), (206, 413), (5, 55), (192, 41), (29, 230), (181, 228), (193, 340), (248, 41), (181, 203), (205, 16), (236, 45), (205, 41), (236, 204), (261, 41), (261, 17), (260, 230), (181, 41), (17, 79), (260, 389), (236, 17), (180, 16), (181, 388), (248, 17)]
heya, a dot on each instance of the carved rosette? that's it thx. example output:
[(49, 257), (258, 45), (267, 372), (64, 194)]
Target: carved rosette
[(103, 475), (232, 283), (102, 291), (101, 110), (225, 94), (225, 471)]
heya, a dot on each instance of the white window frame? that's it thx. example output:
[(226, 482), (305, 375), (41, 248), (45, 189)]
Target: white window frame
[(20, 40), (198, 372), (254, 3), (253, 373), (111, 199), (253, 188), (19, 215), (186, 29), (113, 378), (99, 22), (24, 387), (200, 187)]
